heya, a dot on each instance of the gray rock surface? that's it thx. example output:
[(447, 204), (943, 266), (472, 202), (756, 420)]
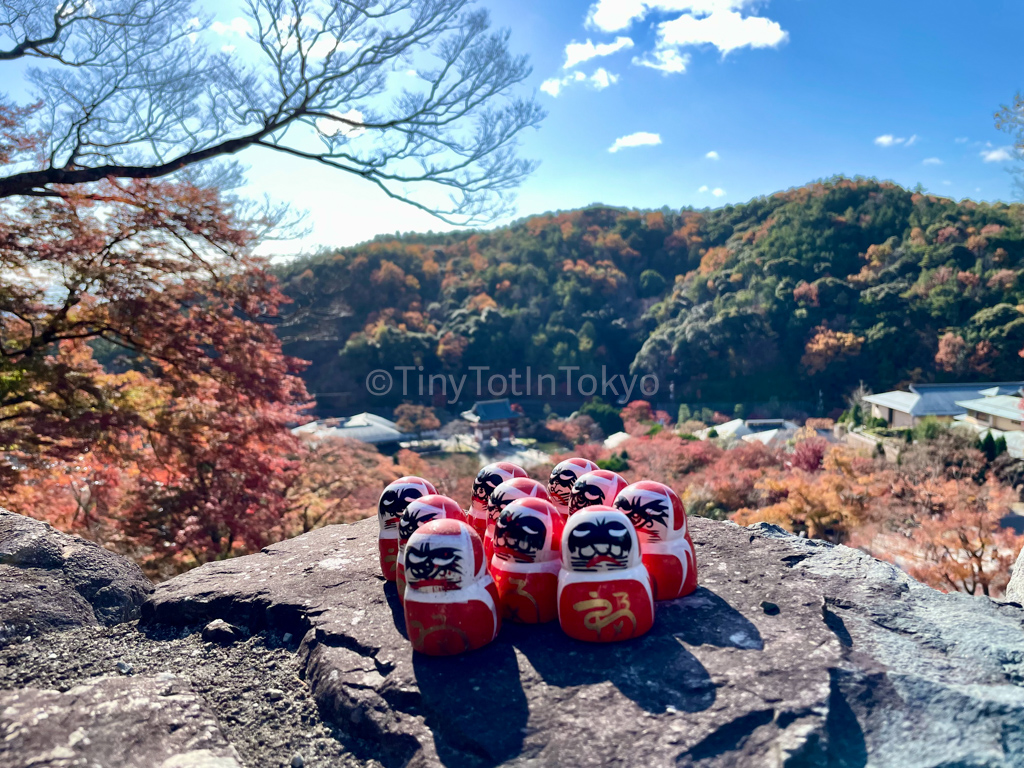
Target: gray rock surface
[(53, 581), (860, 665), (1015, 589), (152, 722)]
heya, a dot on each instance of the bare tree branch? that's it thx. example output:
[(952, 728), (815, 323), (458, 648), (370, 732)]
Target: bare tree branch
[(415, 96)]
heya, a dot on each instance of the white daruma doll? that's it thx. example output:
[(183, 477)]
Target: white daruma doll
[(660, 521), (563, 478), (487, 479), (505, 493), (451, 603), (392, 503), (527, 558), (604, 591), (600, 486), (420, 512)]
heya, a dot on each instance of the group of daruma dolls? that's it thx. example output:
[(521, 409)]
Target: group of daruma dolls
[(589, 550)]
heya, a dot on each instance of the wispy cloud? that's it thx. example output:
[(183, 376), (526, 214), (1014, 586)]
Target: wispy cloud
[(577, 53), (703, 189), (931, 161), (600, 80), (997, 155), (721, 23), (888, 140), (962, 140), (638, 139), (712, 155), (238, 26)]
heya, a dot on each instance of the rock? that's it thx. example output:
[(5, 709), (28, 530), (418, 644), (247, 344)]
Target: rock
[(150, 722), (220, 632), (860, 664), (771, 609), (275, 694), (1015, 589), (124, 668), (297, 761), (53, 581)]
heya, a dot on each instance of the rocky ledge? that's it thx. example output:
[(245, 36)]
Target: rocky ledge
[(791, 652)]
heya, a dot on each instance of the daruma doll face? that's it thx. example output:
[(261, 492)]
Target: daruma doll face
[(564, 476), (654, 509), (598, 487), (396, 498), (443, 556), (490, 477), (528, 531), (599, 540)]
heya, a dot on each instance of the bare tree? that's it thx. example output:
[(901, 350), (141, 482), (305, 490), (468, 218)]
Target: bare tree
[(415, 96)]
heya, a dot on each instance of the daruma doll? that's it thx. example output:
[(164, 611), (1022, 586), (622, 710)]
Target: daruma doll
[(502, 496), (599, 487), (392, 503), (527, 558), (451, 603), (487, 479), (420, 512), (604, 591), (563, 477), (660, 521)]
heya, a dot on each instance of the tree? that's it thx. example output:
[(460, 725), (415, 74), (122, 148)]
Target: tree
[(416, 418), (400, 93), (606, 416)]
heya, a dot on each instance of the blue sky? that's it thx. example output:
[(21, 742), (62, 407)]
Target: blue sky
[(707, 102), (808, 89)]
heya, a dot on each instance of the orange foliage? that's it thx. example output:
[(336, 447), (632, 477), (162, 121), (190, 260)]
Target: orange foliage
[(828, 346)]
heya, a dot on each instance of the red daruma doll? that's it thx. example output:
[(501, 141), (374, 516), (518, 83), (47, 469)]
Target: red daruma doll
[(420, 512), (527, 558), (505, 493), (563, 478), (604, 591), (487, 479), (600, 486), (390, 506), (660, 521), (451, 603)]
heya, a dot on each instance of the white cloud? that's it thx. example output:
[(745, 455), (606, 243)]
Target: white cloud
[(888, 140), (997, 155), (237, 26), (718, 192), (726, 30), (638, 139), (712, 155), (551, 87), (962, 140), (931, 161), (577, 53), (614, 15), (703, 189), (601, 79), (227, 49), (669, 61), (720, 23), (948, 183), (331, 127)]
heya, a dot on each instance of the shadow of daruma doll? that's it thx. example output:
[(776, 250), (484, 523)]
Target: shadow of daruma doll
[(527, 558), (487, 479), (451, 603), (604, 591), (392, 503), (501, 497), (598, 487), (420, 512), (660, 521), (563, 477)]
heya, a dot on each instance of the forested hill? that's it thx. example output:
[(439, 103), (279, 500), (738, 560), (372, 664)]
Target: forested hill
[(809, 290)]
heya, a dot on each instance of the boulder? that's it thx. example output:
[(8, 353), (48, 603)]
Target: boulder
[(151, 722), (791, 652), (50, 581)]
